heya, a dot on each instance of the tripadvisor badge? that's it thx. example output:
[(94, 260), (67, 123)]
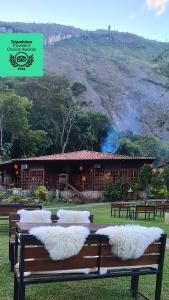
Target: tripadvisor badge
[(21, 54), (21, 60)]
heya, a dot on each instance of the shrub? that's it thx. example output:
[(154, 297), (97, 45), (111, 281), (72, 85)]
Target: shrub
[(41, 192), (51, 196), (144, 177), (116, 191), (122, 185), (158, 188), (2, 195), (31, 192), (110, 192), (14, 199)]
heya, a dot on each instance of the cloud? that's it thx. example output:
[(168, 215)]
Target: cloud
[(158, 5), (132, 16)]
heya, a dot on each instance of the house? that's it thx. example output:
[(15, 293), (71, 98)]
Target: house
[(84, 170)]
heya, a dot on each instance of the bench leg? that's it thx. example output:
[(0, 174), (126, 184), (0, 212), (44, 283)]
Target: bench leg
[(9, 247), (12, 248), (134, 285), (119, 212), (16, 288), (21, 295), (158, 287)]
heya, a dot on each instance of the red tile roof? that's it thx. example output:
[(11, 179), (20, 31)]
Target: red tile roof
[(85, 155)]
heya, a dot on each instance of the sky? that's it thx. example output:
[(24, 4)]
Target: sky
[(147, 18)]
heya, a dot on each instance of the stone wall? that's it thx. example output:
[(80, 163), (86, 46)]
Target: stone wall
[(90, 196)]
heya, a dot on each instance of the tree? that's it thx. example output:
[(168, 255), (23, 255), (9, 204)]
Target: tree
[(144, 177), (13, 116), (128, 147), (14, 126), (89, 130), (144, 145), (166, 177), (58, 108), (69, 114), (55, 106)]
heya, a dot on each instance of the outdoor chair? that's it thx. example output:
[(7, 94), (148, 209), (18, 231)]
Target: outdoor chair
[(148, 212), (119, 209)]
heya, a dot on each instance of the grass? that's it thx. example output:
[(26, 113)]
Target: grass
[(116, 289)]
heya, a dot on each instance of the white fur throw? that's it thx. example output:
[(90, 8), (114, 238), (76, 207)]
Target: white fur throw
[(73, 216), (130, 241), (60, 242), (34, 216)]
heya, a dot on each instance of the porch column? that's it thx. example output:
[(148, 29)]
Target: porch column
[(2, 177)]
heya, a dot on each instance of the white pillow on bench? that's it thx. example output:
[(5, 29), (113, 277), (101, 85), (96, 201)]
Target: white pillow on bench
[(34, 216), (73, 216)]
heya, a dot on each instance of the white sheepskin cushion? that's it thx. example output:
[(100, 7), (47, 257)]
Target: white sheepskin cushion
[(60, 242), (34, 216), (130, 241), (73, 216)]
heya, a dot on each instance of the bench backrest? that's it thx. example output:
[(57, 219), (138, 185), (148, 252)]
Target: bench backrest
[(162, 206), (151, 256), (116, 205), (36, 259), (147, 208), (6, 209), (121, 205), (96, 253)]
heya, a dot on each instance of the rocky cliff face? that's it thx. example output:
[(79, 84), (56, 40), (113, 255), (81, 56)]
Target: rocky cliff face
[(52, 33), (118, 70)]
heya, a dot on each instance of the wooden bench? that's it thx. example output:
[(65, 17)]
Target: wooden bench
[(7, 209), (162, 209), (147, 210), (117, 209), (95, 255), (13, 219)]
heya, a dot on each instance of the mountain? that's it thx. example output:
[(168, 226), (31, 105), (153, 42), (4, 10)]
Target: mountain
[(118, 69)]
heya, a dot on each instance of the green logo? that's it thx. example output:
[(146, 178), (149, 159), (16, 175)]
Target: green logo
[(21, 54), (21, 60)]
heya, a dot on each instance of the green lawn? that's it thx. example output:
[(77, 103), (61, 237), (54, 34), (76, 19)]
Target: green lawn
[(115, 289)]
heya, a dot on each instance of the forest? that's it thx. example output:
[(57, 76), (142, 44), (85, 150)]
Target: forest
[(47, 115)]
